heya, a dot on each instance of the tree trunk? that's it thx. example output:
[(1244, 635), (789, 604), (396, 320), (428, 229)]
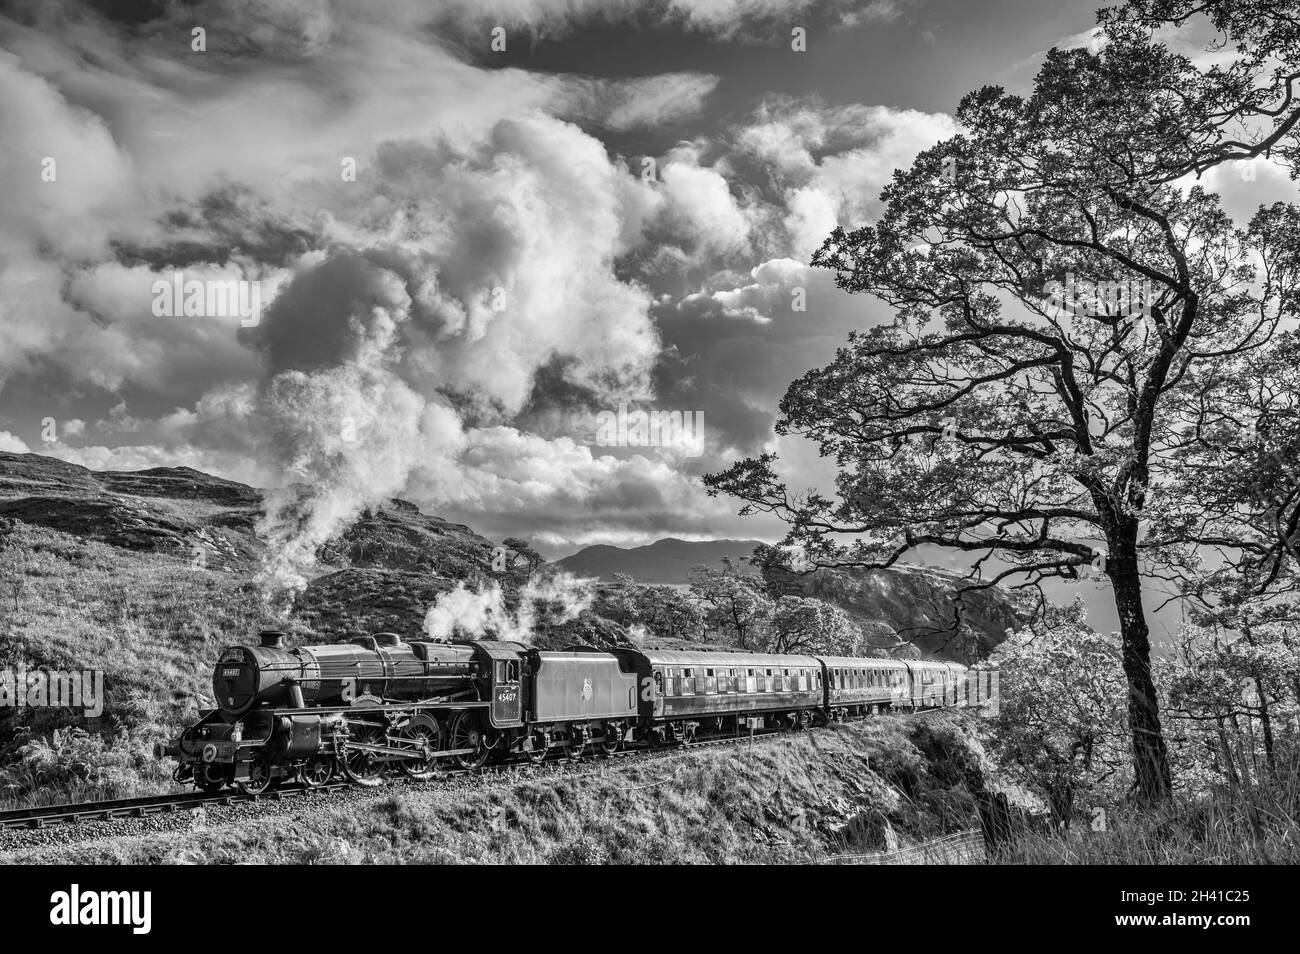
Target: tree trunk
[(1228, 762), (1265, 717), (1150, 757)]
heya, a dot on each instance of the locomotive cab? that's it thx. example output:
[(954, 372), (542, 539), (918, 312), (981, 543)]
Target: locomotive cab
[(501, 669)]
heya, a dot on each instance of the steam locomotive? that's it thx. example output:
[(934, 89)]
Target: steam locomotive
[(381, 705)]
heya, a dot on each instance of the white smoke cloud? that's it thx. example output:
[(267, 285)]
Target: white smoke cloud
[(485, 265), (482, 613)]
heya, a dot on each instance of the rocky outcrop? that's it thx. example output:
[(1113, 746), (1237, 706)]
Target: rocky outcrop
[(911, 610), (382, 573)]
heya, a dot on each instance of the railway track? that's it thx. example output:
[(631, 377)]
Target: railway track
[(43, 815), (125, 808)]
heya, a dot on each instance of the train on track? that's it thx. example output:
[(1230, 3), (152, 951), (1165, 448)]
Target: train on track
[(381, 705)]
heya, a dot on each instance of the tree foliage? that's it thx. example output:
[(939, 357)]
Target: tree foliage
[(1061, 725), (1069, 309)]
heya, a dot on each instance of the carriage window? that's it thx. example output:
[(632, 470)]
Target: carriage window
[(709, 673)]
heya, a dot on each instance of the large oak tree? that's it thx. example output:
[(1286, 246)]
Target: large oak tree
[(1067, 299)]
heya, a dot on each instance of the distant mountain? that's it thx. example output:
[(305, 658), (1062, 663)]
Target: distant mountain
[(664, 561)]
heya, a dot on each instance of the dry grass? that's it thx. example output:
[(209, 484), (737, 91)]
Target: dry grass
[(1260, 825), (153, 626)]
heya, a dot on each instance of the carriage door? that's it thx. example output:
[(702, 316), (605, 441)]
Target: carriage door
[(506, 695)]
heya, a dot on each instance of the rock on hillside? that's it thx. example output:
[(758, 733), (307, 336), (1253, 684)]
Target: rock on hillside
[(912, 607), (345, 603), (400, 537)]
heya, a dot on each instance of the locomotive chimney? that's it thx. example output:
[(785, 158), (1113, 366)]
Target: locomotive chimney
[(271, 639)]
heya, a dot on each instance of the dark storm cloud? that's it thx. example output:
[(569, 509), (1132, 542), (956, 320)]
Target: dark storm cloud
[(228, 222), (324, 315)]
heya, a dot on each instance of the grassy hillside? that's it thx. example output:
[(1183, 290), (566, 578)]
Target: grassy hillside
[(151, 623)]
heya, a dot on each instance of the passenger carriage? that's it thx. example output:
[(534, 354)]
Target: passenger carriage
[(936, 684), (857, 686), (681, 690)]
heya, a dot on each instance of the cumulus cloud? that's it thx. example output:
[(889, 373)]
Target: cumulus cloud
[(641, 103), (10, 444), (699, 203), (831, 162), (446, 323)]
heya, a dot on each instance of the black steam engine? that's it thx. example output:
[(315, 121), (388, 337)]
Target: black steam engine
[(379, 705)]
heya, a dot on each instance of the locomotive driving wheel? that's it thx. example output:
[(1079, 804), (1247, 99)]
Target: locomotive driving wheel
[(466, 734), (363, 767), (574, 747), (317, 771), (424, 736), (259, 776), (209, 778), (613, 738), (537, 754)]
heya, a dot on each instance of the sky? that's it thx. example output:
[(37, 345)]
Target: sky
[(467, 257)]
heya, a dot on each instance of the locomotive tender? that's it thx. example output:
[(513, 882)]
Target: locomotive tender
[(379, 704)]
